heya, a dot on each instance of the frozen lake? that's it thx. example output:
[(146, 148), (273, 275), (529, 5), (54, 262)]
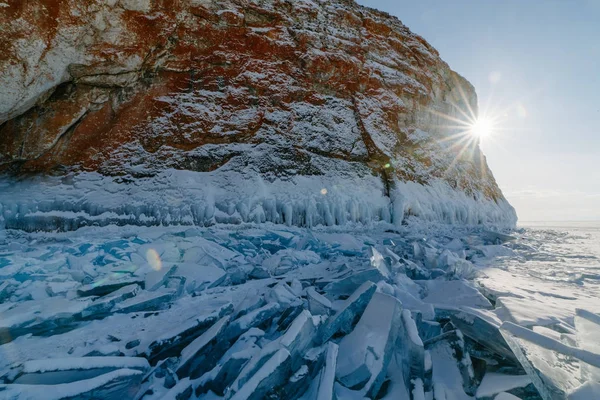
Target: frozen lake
[(555, 269), (469, 313)]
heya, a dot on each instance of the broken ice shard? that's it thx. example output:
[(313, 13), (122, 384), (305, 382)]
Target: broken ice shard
[(317, 303), (479, 325), (115, 385), (352, 308), (270, 376), (365, 352), (349, 284), (253, 319), (66, 370), (104, 287), (193, 355)]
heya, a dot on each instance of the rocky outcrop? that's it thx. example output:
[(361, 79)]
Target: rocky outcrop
[(265, 89)]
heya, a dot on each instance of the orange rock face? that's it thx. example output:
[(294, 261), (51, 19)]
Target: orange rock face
[(130, 87)]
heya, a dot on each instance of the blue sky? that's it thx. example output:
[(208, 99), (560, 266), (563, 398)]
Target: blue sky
[(541, 61)]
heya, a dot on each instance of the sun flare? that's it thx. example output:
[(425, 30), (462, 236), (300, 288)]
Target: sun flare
[(482, 128)]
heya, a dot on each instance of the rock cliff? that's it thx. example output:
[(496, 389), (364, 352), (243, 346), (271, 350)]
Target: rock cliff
[(227, 111)]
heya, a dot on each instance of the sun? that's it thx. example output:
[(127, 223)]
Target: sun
[(482, 128)]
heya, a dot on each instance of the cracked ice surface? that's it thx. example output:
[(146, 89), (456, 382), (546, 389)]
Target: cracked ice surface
[(271, 311)]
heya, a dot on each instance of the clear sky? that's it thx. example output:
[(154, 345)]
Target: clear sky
[(540, 60)]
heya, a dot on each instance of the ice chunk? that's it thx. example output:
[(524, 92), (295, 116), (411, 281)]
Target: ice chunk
[(254, 318), (349, 284), (230, 365), (106, 286), (322, 387), (55, 371), (103, 305), (479, 325), (271, 375), (454, 293), (156, 278), (551, 365), (298, 383), (193, 355), (37, 317), (350, 311), (494, 383), (172, 342), (497, 237), (283, 295), (317, 303), (448, 379), (378, 262), (299, 336), (494, 251), (115, 385), (415, 271), (146, 301), (365, 352), (410, 349), (198, 276)]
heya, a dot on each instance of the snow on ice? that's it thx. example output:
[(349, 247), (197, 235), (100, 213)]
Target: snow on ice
[(376, 310)]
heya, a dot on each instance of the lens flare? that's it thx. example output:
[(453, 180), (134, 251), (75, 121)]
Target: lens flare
[(153, 259)]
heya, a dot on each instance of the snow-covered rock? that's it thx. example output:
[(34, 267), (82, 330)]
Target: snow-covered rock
[(309, 113)]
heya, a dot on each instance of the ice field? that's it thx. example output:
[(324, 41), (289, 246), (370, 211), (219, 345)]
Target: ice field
[(420, 311)]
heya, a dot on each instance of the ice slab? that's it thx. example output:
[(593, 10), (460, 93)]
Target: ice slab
[(253, 319), (410, 350), (447, 379), (454, 293), (452, 369), (351, 310), (365, 352), (495, 383), (173, 341), (194, 354), (114, 385), (349, 284), (271, 375), (146, 301), (66, 370), (299, 337), (106, 286), (553, 367), (481, 326), (317, 303), (322, 387), (379, 262), (198, 276), (103, 305), (231, 363), (40, 316)]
